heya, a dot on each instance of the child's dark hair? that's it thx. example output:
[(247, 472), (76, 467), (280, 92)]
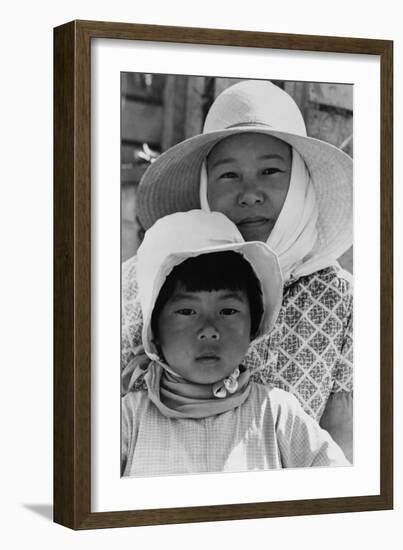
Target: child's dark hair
[(213, 271)]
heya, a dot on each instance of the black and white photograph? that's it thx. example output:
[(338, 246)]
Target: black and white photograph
[(236, 274)]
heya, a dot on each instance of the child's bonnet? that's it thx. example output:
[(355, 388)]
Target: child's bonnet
[(169, 242)]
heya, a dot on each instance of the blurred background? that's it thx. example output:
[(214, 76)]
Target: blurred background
[(158, 111)]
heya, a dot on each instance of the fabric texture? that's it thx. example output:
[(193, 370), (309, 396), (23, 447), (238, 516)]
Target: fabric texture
[(310, 350), (269, 431)]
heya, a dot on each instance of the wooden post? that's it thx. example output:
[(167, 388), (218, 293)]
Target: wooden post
[(194, 106), (299, 92), (174, 111)]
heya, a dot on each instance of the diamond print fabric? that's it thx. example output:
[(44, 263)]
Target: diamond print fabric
[(310, 350)]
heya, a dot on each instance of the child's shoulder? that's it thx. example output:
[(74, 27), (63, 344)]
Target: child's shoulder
[(280, 400), (133, 400)]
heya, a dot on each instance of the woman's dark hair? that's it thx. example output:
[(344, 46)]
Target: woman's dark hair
[(213, 271)]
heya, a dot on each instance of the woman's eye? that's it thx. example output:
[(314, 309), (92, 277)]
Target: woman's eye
[(228, 175), (229, 311), (185, 311), (270, 171)]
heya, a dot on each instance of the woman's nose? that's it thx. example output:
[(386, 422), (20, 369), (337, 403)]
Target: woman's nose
[(250, 196), (209, 332)]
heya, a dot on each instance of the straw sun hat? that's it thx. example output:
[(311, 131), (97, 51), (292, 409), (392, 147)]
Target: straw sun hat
[(172, 181)]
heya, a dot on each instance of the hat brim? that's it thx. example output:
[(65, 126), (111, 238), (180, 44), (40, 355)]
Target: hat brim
[(171, 183), (265, 265)]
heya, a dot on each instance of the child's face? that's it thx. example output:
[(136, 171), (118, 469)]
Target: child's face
[(248, 180), (204, 335)]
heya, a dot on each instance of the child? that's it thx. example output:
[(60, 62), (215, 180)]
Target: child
[(205, 293)]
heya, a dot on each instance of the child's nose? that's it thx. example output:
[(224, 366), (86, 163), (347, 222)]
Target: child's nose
[(209, 332)]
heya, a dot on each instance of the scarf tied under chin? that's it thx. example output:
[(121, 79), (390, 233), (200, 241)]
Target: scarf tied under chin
[(176, 397)]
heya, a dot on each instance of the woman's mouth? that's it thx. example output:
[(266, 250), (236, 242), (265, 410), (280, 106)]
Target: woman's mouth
[(253, 222)]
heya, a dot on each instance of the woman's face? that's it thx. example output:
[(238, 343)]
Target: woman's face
[(248, 179)]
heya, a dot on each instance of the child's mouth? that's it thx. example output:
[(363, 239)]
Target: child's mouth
[(208, 358)]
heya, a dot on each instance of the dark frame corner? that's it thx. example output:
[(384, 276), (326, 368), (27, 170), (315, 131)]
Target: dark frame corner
[(72, 306)]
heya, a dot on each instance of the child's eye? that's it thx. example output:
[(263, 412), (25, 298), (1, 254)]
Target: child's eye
[(185, 311), (229, 311)]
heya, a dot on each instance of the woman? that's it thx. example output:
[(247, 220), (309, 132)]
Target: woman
[(254, 163)]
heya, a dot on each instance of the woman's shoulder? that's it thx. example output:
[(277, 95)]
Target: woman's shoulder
[(337, 277), (331, 279), (134, 402), (133, 399), (317, 294), (129, 279), (129, 266)]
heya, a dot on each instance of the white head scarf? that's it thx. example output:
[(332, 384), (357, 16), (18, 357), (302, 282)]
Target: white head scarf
[(294, 234)]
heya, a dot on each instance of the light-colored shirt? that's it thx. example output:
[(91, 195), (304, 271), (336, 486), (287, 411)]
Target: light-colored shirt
[(269, 430)]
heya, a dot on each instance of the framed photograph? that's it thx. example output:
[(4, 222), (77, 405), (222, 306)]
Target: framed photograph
[(169, 135)]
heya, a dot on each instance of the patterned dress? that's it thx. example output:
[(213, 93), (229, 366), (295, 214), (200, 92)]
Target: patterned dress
[(310, 351)]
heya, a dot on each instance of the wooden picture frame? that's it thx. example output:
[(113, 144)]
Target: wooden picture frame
[(72, 274)]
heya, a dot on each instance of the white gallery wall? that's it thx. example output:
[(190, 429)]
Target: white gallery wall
[(26, 218)]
